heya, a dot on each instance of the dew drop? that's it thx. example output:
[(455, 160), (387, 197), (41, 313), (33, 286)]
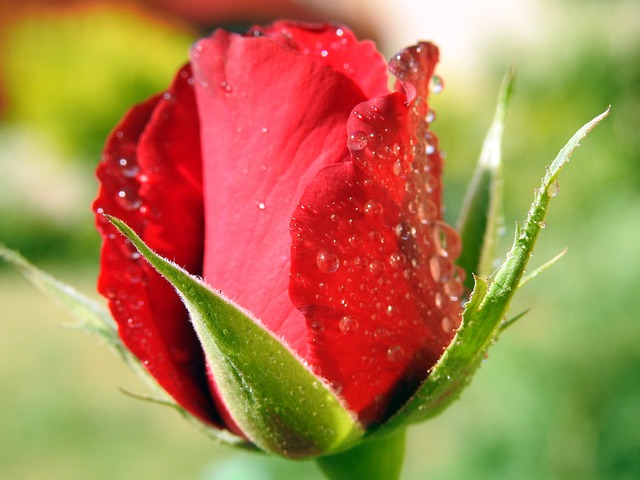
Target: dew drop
[(261, 205), (373, 208), (438, 299), (128, 168), (397, 168), (447, 324), (446, 240), (264, 129), (436, 84), (427, 211), (357, 140), (348, 324), (376, 267), (327, 262), (454, 289), (429, 149), (395, 260), (128, 198), (395, 353), (441, 268), (375, 138), (542, 224), (402, 64), (403, 231), (553, 189), (431, 116), (134, 322), (355, 241), (317, 327)]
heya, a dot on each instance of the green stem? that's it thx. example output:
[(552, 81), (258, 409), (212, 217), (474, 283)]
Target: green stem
[(380, 458)]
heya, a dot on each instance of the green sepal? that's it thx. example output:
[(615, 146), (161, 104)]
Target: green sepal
[(483, 314), (380, 458), (481, 217), (271, 394), (91, 317), (94, 319)]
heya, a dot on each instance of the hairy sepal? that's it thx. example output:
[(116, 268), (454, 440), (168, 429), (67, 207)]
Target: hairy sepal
[(486, 308), (94, 319), (273, 397)]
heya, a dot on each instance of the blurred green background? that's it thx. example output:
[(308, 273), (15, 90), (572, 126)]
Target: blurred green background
[(559, 396)]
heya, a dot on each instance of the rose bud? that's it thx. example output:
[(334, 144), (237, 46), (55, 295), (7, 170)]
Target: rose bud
[(286, 275), (280, 168)]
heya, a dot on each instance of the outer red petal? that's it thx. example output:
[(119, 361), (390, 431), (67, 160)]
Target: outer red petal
[(151, 178), (371, 259), (270, 119), (335, 46)]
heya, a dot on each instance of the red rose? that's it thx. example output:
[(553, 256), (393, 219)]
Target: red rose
[(280, 168)]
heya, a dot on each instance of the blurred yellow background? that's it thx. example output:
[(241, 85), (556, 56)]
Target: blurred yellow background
[(559, 396)]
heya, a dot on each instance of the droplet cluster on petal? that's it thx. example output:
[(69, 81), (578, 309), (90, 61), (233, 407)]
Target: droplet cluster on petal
[(372, 259)]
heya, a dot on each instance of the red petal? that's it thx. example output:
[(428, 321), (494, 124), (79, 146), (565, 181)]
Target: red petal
[(337, 47), (150, 176), (371, 259), (270, 118)]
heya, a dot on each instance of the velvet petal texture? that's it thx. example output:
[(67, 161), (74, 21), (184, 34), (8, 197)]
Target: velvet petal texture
[(372, 261), (272, 115), (151, 178)]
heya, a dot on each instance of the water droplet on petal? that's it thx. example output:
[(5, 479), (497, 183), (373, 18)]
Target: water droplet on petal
[(454, 289), (441, 268), (447, 324), (357, 140), (397, 167), (327, 262), (427, 211), (376, 267), (128, 168), (395, 260), (395, 353), (317, 327), (128, 198), (403, 231), (436, 84), (134, 322), (373, 208), (348, 324), (446, 240), (402, 64), (431, 116)]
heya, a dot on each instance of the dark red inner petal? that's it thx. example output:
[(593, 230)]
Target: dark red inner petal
[(271, 118), (151, 178), (372, 261)]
